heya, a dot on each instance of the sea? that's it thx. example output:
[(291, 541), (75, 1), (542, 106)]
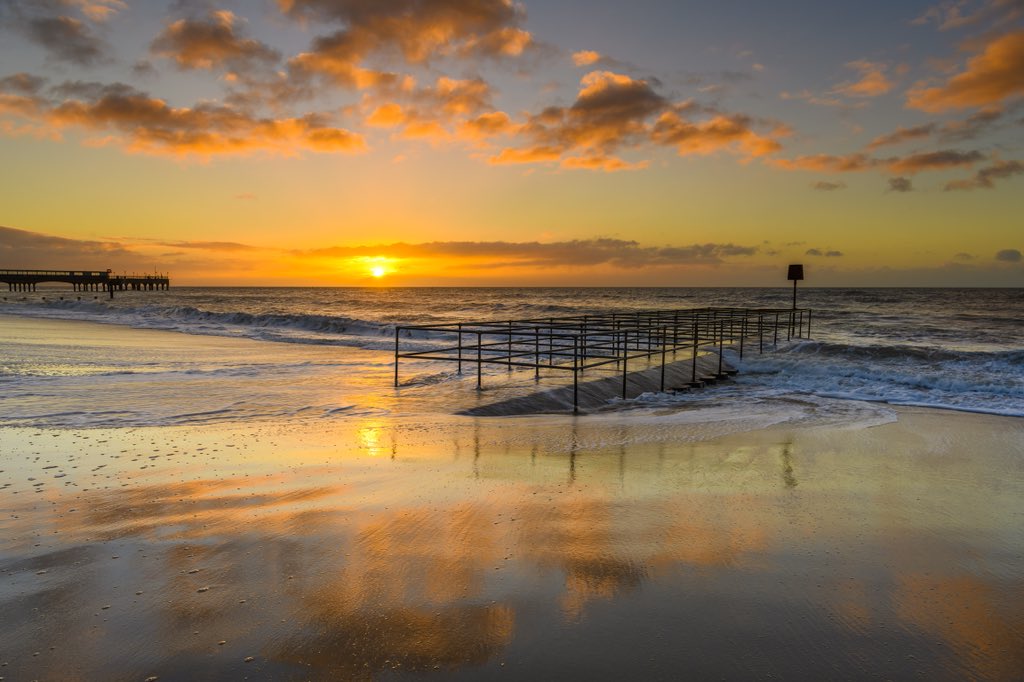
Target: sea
[(316, 353)]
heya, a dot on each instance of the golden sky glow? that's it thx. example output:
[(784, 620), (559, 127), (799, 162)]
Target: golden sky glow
[(492, 142)]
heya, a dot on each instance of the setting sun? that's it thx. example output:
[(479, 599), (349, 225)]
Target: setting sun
[(378, 271)]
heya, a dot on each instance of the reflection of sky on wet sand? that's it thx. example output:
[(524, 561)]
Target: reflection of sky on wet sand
[(514, 545)]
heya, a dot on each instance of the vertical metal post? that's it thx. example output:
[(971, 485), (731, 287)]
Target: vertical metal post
[(460, 348), (775, 342), (693, 378), (743, 332), (664, 344), (397, 329), (536, 353), (808, 323), (575, 376), (760, 333), (510, 345), (625, 359), (721, 345), (479, 360)]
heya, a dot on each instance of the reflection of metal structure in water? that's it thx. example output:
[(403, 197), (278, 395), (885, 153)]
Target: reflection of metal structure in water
[(612, 342)]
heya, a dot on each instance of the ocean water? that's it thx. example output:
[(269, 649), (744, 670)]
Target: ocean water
[(958, 349)]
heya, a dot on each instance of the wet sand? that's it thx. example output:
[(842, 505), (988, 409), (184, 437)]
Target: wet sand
[(550, 547)]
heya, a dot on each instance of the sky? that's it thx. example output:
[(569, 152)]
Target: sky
[(492, 142)]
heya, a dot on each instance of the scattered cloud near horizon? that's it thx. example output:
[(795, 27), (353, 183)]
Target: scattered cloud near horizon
[(583, 262)]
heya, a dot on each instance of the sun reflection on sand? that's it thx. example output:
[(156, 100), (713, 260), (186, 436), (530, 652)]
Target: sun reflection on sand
[(377, 548)]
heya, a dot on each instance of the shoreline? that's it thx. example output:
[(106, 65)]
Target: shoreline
[(375, 534)]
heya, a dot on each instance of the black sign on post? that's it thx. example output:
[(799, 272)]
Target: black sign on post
[(796, 273)]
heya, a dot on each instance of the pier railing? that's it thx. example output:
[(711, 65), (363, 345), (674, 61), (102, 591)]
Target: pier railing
[(611, 342), (84, 280)]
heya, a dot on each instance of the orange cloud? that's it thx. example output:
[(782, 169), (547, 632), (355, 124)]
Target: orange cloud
[(211, 42), (914, 163), (939, 160), (417, 31), (585, 57), (901, 135), (985, 178), (614, 111), (996, 74), (148, 124), (873, 81), (706, 137)]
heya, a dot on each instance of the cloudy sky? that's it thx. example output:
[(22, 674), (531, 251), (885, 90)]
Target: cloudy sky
[(561, 142)]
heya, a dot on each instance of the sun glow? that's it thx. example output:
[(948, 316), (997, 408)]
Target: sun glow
[(372, 267)]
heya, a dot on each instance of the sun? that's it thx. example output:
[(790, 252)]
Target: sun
[(378, 271)]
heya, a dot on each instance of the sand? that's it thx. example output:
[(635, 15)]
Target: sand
[(637, 545)]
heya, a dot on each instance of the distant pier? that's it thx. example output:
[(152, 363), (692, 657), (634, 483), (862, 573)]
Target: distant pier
[(84, 280)]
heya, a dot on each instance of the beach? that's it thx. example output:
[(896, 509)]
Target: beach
[(378, 535)]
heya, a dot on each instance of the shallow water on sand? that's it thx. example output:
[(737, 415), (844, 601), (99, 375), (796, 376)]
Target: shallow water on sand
[(527, 548)]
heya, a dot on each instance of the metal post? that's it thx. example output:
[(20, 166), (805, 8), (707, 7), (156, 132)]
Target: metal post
[(664, 343), (808, 323), (760, 333), (743, 332), (510, 345), (536, 353), (397, 329), (575, 376), (694, 361), (775, 342), (479, 361), (625, 358), (460, 348), (721, 345)]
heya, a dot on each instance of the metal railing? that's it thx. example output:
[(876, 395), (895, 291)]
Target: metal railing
[(612, 342)]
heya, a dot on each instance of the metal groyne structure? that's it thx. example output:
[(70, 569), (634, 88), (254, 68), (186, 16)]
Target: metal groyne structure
[(612, 343), (84, 280)]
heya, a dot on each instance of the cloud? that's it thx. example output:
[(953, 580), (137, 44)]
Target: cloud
[(209, 246), (950, 14), (585, 57), (823, 186), (211, 42), (985, 177), (811, 98), (944, 158), (900, 184), (963, 256), (414, 31), (829, 163), (823, 253), (35, 250), (901, 135), (22, 84), (971, 127), (1009, 256), (913, 163), (872, 82), (580, 253), (67, 39), (98, 10), (613, 112), (147, 124), (994, 75)]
